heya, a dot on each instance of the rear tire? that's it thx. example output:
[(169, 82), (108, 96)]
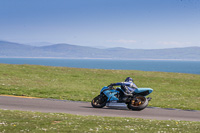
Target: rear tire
[(99, 101), (138, 103)]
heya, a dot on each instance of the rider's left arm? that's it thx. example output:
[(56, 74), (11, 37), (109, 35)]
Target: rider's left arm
[(116, 84)]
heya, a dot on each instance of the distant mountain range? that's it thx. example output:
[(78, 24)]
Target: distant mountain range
[(11, 49)]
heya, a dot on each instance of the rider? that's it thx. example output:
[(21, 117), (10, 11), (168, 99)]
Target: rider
[(128, 86)]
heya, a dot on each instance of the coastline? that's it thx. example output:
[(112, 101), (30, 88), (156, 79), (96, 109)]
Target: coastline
[(142, 59)]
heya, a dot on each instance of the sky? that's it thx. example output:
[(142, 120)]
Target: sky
[(135, 24)]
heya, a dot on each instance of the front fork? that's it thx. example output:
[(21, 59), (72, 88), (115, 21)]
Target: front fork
[(149, 98)]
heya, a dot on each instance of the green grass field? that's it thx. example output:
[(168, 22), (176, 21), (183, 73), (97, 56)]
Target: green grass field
[(171, 90), (19, 121)]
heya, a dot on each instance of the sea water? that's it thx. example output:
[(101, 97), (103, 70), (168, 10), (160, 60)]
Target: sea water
[(144, 65)]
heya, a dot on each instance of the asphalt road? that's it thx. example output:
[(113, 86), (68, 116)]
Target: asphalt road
[(85, 108)]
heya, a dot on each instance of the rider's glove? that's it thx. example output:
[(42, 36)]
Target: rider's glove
[(111, 85)]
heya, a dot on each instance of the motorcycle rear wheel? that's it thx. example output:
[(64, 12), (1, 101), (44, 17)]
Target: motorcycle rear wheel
[(99, 101), (138, 103)]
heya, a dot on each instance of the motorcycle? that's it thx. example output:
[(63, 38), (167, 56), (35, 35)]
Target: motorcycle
[(117, 97)]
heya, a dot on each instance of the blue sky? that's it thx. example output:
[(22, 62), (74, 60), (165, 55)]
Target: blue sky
[(136, 24)]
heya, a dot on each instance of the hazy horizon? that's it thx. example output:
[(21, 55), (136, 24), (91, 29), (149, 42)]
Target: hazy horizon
[(41, 44)]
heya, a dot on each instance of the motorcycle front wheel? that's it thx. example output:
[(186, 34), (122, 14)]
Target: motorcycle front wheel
[(99, 101), (138, 103)]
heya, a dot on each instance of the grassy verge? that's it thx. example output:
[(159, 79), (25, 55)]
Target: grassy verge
[(18, 121), (171, 90)]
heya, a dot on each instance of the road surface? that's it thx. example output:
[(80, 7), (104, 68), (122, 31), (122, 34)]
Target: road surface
[(85, 108)]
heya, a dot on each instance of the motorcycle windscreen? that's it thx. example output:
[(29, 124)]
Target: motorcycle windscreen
[(104, 88)]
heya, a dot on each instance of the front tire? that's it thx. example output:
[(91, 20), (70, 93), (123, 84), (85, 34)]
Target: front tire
[(99, 101), (138, 103)]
